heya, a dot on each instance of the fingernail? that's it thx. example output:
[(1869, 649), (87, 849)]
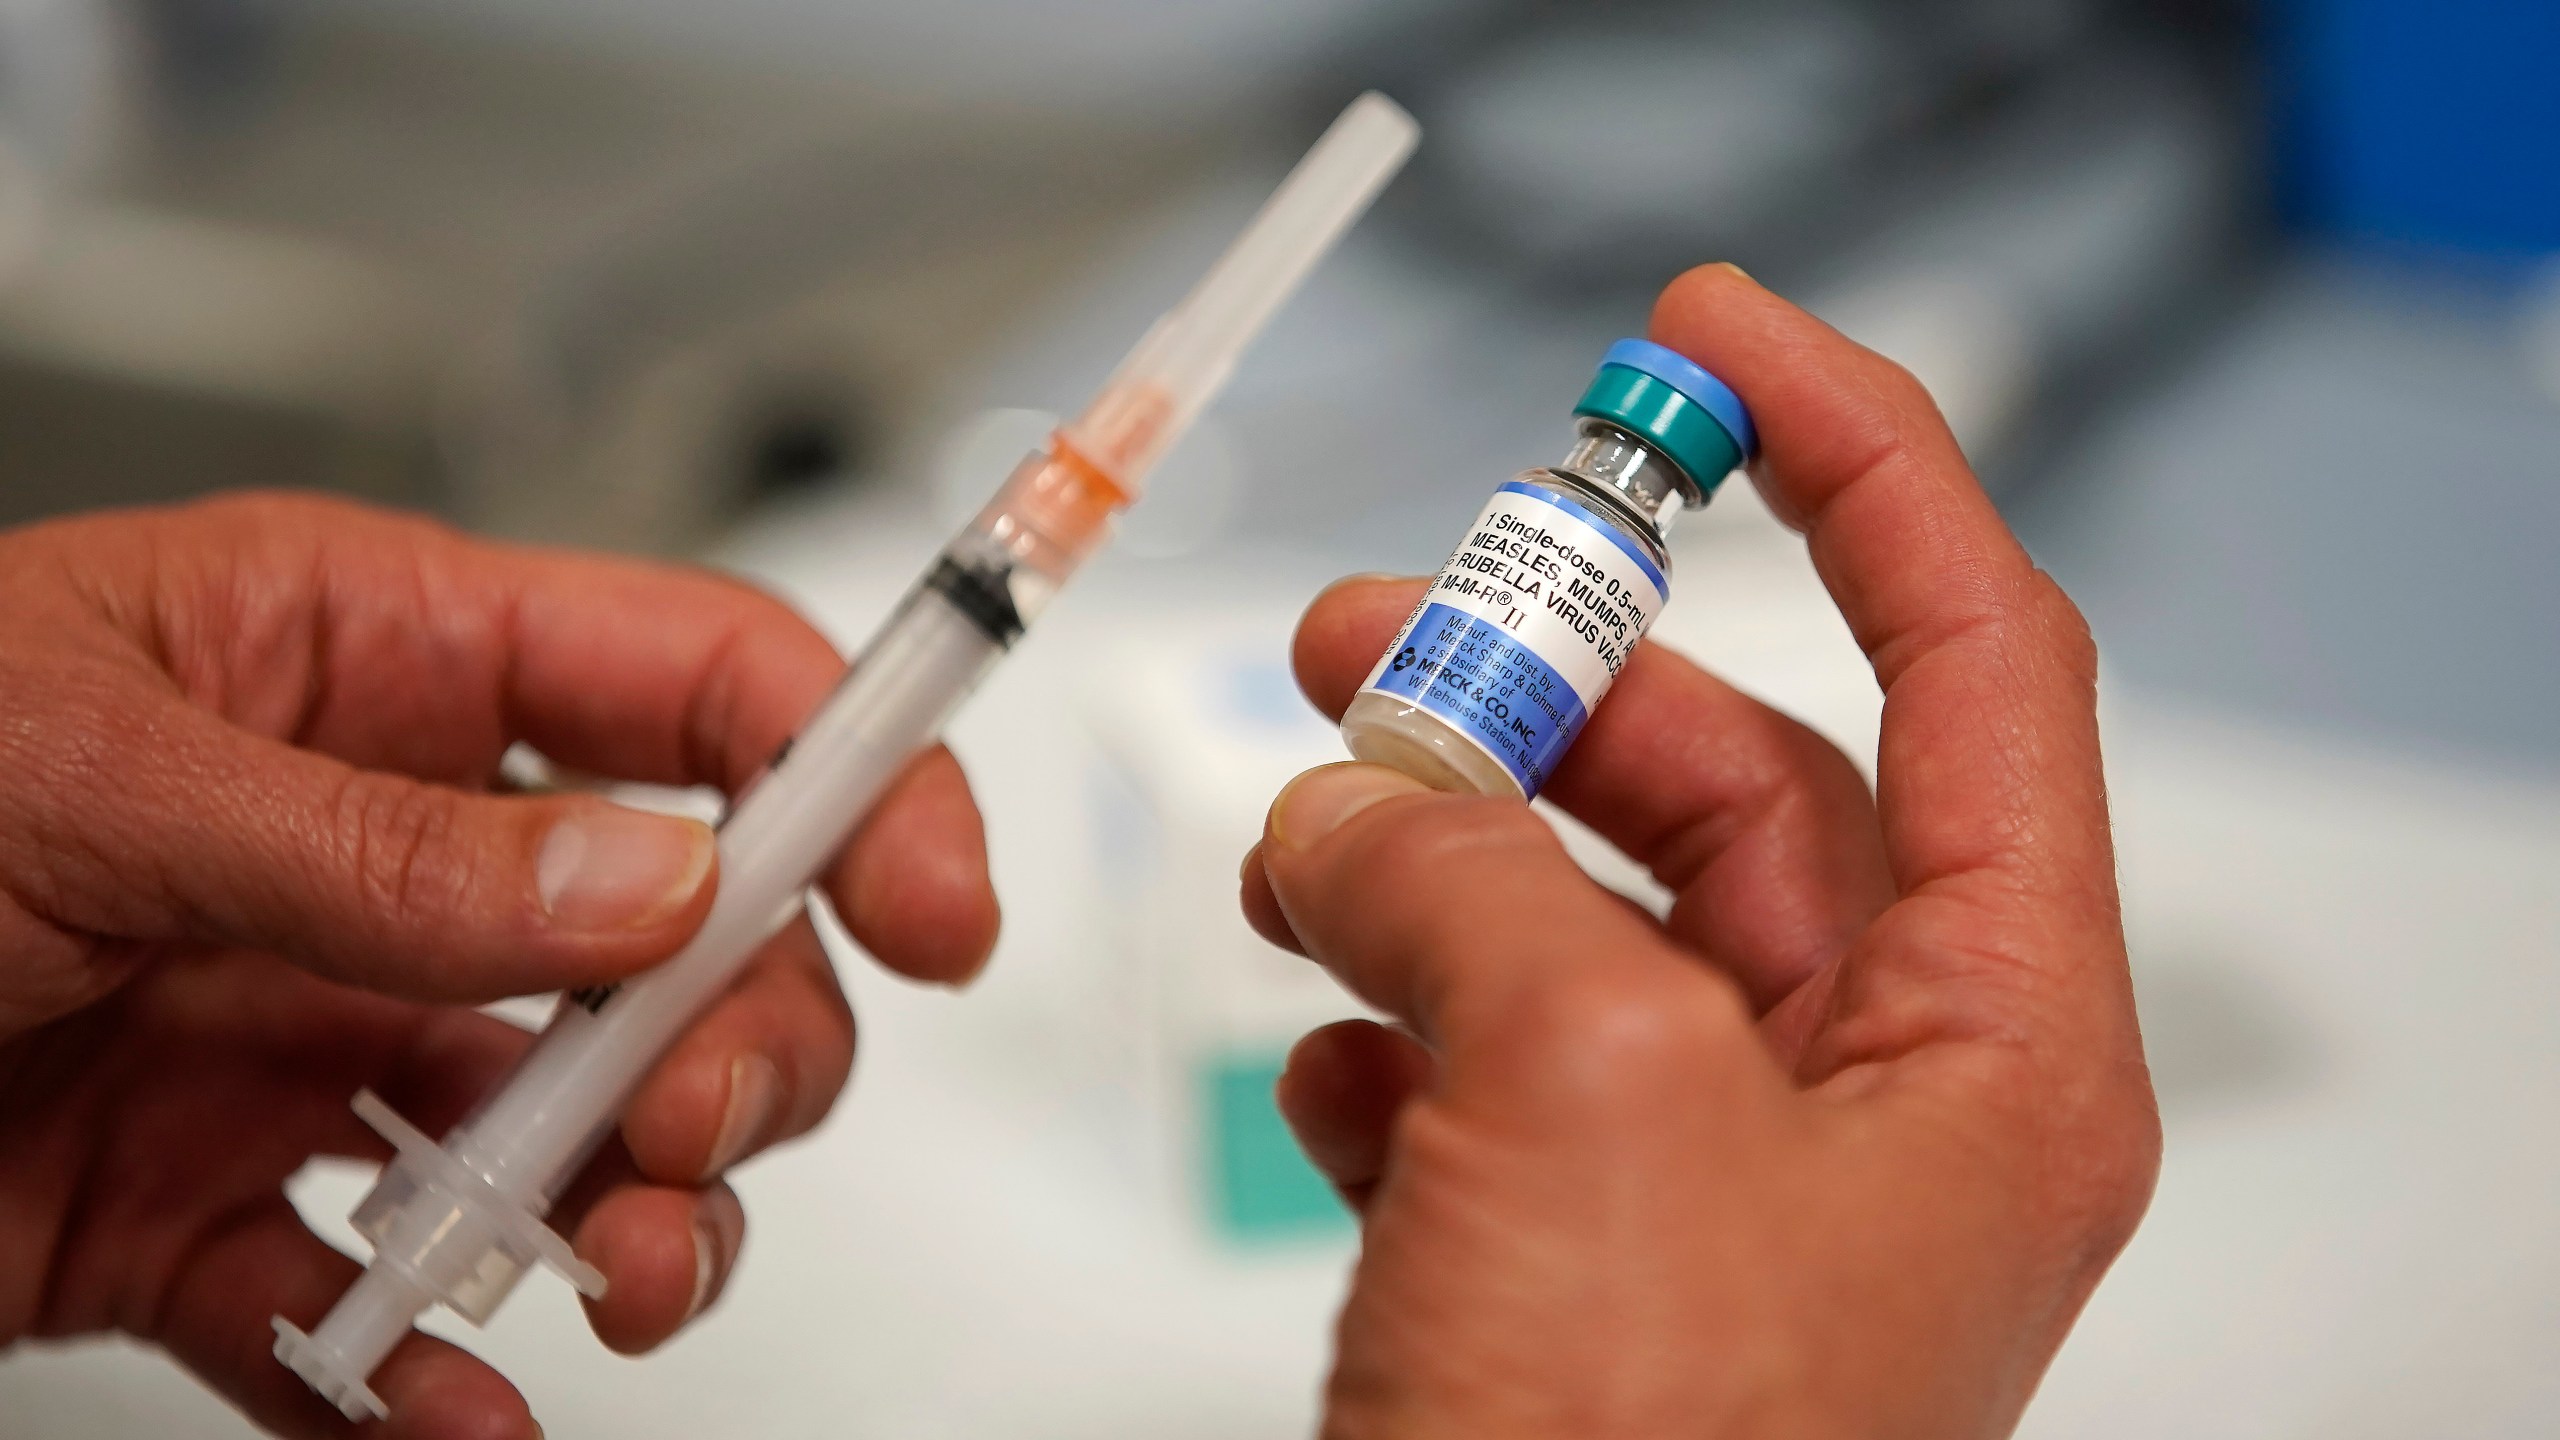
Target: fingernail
[(755, 1087), (608, 867), (719, 1229), (1317, 803), (1244, 867), (1738, 270)]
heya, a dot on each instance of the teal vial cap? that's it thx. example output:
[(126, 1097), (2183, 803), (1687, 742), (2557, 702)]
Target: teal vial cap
[(1668, 401)]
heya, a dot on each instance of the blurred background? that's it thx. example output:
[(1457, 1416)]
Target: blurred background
[(2248, 313)]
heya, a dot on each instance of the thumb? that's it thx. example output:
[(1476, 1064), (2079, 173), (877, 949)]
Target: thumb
[(194, 830), (1463, 917)]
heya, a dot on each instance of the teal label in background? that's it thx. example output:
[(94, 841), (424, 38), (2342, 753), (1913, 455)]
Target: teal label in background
[(1260, 1186)]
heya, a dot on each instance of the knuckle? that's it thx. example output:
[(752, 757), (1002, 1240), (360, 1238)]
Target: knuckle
[(1610, 1040), (71, 819), (1813, 770), (758, 604), (1912, 405), (2068, 629), (757, 617), (395, 839), (825, 1083), (261, 503), (270, 515), (2101, 1137), (2111, 1189), (258, 506), (1902, 433), (286, 529)]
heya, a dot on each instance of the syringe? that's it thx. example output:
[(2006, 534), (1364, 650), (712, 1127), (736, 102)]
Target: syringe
[(460, 1223)]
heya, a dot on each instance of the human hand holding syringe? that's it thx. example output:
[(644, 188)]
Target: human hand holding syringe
[(460, 1222)]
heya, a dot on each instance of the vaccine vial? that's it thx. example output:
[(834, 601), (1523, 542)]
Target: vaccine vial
[(1525, 628)]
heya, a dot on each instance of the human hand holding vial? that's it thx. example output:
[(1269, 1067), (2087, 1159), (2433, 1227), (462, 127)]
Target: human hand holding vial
[(459, 1222), (1861, 1116)]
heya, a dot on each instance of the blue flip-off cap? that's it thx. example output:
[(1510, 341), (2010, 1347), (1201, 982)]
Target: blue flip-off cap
[(1686, 376)]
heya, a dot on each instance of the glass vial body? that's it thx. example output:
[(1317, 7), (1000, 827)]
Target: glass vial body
[(1527, 625)]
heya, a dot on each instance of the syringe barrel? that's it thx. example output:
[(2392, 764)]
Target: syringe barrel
[(563, 1097)]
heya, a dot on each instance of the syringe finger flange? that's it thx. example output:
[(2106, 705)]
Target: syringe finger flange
[(517, 1236)]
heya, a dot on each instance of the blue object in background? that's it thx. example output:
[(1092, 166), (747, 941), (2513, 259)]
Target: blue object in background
[(2433, 123)]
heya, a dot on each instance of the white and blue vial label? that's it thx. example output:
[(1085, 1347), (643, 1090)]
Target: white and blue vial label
[(1524, 629)]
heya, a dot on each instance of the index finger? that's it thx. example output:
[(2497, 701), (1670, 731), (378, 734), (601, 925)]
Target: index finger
[(394, 643), (1988, 778), (416, 649), (652, 672)]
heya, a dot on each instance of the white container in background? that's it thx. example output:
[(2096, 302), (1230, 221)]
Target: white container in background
[(1198, 725)]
